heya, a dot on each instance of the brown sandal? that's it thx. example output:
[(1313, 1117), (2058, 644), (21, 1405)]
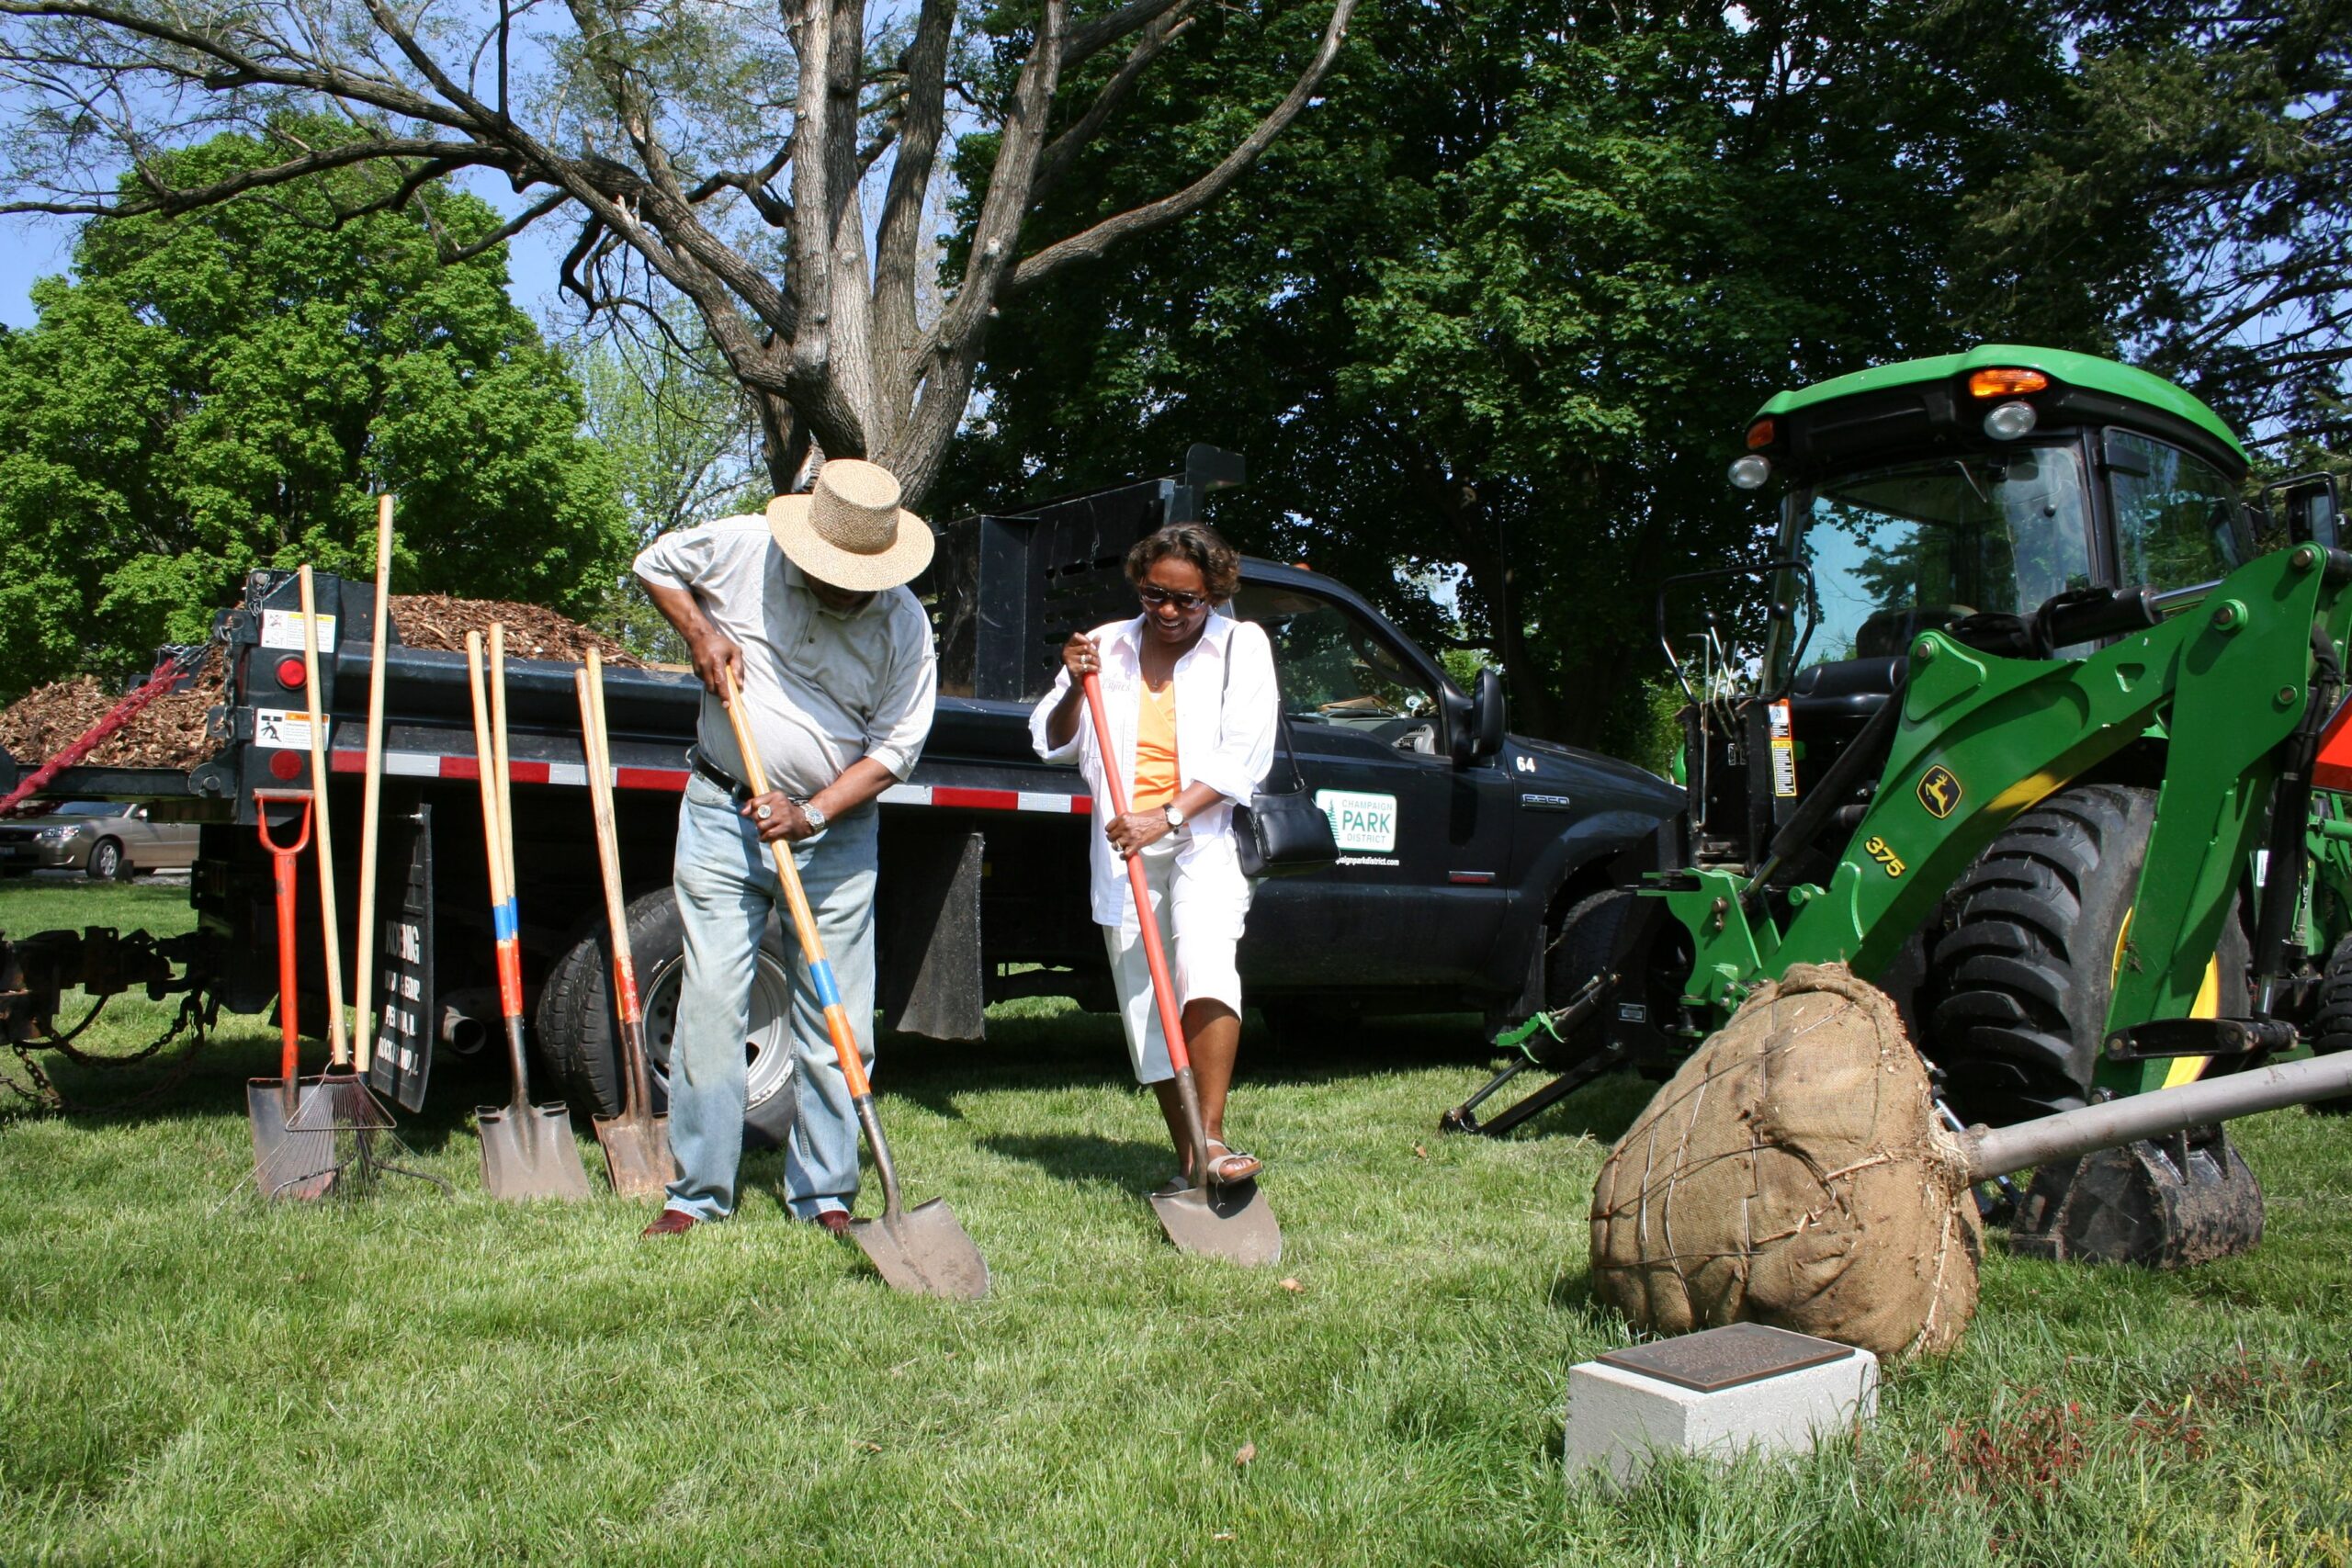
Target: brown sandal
[(1230, 1167)]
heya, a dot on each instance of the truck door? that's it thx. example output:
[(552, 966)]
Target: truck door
[(1419, 894)]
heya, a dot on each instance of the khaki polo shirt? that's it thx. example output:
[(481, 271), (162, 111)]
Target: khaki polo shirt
[(821, 689)]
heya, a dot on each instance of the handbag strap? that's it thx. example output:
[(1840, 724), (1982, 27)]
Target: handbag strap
[(1282, 714)]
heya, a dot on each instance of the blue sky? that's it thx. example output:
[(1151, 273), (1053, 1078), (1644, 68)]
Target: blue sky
[(41, 247)]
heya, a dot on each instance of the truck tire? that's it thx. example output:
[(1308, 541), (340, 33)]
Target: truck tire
[(2019, 981), (579, 1039)]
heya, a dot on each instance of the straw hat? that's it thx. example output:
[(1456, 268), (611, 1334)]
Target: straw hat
[(851, 531)]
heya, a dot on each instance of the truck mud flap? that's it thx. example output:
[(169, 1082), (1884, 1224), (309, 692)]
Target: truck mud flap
[(401, 987), (931, 980)]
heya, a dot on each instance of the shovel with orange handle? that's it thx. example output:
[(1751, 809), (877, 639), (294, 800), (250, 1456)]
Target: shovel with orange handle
[(921, 1249), (1231, 1222)]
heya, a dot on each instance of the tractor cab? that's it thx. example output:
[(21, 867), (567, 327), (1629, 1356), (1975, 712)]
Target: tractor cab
[(2025, 501)]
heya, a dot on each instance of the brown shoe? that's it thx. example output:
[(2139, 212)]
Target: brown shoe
[(669, 1222), (835, 1221)]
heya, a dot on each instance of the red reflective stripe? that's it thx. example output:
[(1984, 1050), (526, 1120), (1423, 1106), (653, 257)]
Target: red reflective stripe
[(1082, 804), (671, 779), (525, 772), (347, 761), (976, 799), (460, 768)]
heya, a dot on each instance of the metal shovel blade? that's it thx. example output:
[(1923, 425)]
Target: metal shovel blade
[(924, 1251), (527, 1152), (287, 1162), (637, 1154), (1233, 1222)]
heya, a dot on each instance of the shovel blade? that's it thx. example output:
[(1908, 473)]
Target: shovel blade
[(924, 1251), (1234, 1222), (527, 1152), (287, 1162), (637, 1154)]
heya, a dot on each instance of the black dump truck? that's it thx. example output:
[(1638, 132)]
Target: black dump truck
[(1463, 848)]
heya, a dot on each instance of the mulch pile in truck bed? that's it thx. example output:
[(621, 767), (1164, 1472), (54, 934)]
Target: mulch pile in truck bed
[(166, 733), (169, 732), (435, 620)]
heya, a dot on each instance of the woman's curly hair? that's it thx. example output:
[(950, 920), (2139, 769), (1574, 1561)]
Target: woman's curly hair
[(1219, 563)]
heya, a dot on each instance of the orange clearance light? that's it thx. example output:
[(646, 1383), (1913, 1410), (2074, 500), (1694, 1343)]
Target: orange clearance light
[(2006, 383), (1760, 435)]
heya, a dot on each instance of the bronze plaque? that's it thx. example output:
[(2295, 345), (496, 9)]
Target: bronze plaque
[(1718, 1358)]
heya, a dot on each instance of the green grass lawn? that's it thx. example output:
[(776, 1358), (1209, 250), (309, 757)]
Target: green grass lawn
[(188, 1375)]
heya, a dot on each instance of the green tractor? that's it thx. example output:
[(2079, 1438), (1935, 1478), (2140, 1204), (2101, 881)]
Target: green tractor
[(2023, 729)]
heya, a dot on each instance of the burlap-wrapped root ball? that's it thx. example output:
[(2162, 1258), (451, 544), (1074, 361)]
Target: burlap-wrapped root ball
[(1793, 1173)]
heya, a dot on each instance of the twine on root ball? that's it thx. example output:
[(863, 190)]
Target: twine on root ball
[(1792, 1173)]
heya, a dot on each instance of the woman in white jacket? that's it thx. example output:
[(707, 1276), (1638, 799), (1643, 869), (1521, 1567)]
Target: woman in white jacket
[(1191, 697)]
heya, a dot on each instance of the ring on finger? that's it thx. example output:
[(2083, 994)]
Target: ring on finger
[(766, 812)]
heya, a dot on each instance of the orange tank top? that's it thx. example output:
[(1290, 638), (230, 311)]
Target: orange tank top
[(1155, 782)]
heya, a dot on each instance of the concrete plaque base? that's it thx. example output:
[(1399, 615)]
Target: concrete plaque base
[(1714, 1393)]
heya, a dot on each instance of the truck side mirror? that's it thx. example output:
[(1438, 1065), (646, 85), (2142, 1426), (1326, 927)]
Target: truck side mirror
[(1475, 725), (1488, 700)]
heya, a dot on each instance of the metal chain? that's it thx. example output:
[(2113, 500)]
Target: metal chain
[(42, 1091)]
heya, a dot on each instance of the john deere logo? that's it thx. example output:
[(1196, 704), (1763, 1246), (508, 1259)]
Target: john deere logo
[(1938, 792)]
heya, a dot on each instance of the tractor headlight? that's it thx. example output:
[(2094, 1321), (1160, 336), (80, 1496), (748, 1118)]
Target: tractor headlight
[(2007, 422), (1751, 471)]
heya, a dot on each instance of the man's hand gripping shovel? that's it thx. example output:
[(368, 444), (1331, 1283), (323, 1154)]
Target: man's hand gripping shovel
[(1232, 1222), (920, 1249)]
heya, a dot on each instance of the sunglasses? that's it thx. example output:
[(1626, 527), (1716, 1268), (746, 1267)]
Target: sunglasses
[(1154, 595)]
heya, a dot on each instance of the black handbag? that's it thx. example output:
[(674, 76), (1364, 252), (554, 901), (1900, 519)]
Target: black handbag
[(1282, 832)]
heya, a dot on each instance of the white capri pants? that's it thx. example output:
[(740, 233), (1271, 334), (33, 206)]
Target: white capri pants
[(1201, 905)]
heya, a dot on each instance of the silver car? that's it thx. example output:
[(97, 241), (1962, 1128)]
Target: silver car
[(103, 838)]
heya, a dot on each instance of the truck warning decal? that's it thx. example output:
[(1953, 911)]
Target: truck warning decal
[(283, 628), (1360, 821)]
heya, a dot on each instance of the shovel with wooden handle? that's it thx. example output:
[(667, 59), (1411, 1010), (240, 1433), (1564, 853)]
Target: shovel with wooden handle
[(1231, 1221), (371, 794), (286, 1164), (635, 1142), (921, 1249), (526, 1150)]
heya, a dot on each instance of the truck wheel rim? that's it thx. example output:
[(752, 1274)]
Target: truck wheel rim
[(767, 1051)]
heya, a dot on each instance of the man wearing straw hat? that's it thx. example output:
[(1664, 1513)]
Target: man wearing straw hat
[(808, 606)]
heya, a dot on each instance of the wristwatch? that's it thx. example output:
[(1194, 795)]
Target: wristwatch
[(814, 813), (1174, 815)]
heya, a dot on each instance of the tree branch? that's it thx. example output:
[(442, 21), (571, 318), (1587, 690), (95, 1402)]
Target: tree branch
[(1091, 243)]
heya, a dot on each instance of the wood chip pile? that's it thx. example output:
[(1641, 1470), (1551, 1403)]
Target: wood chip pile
[(170, 733), (438, 621), (166, 733)]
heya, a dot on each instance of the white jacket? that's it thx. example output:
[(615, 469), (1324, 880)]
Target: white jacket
[(1226, 709)]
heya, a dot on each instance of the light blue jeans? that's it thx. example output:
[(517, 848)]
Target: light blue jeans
[(726, 886)]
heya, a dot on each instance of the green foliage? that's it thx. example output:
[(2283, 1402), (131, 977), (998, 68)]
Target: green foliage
[(1506, 298), (225, 390)]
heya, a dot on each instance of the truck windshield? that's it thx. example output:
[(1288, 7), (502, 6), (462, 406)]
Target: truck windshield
[(1898, 550)]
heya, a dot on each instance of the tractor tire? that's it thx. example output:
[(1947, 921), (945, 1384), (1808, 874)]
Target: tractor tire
[(2330, 1029), (578, 1033), (2019, 980)]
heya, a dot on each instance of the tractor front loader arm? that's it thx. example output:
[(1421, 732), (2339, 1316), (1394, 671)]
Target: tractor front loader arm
[(1982, 738)]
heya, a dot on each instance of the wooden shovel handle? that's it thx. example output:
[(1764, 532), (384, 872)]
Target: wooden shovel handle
[(338, 1042), (1172, 1019), (509, 977), (804, 921), (589, 683), (372, 788)]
